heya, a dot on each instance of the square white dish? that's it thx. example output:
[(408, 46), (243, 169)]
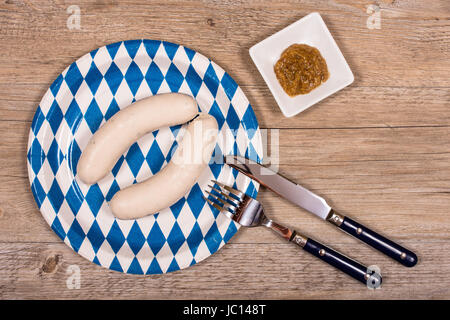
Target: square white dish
[(310, 30)]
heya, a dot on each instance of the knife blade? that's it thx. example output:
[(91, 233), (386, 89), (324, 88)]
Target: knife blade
[(281, 186), (317, 205)]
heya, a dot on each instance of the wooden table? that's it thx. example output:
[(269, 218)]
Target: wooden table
[(379, 150)]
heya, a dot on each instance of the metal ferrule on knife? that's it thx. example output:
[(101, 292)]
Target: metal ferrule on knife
[(315, 204)]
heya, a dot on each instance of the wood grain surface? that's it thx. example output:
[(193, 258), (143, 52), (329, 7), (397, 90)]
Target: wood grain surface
[(379, 150)]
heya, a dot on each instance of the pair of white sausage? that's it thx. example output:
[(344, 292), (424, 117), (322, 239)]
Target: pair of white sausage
[(128, 125)]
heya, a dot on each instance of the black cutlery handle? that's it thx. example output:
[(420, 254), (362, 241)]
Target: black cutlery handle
[(377, 241), (338, 260)]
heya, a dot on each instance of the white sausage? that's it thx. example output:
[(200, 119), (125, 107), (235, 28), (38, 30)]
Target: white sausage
[(176, 178), (128, 125)]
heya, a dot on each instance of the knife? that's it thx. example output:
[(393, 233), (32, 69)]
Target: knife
[(317, 205)]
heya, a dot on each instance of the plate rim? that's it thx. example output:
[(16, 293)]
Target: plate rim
[(32, 137)]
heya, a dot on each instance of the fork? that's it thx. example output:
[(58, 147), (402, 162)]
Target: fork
[(249, 212)]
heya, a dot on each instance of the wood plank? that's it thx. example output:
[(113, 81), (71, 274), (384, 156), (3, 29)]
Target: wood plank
[(399, 215), (318, 147), (408, 88), (237, 271), (388, 178), (354, 107), (377, 150), (418, 35), (359, 107)]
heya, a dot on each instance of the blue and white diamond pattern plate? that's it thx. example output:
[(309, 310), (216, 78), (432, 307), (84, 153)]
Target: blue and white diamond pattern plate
[(88, 93)]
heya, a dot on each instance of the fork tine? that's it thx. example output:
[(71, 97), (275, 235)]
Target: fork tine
[(227, 196), (215, 205), (225, 204), (237, 193)]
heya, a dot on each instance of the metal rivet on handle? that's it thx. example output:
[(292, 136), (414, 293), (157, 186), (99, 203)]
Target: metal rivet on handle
[(322, 252), (359, 231), (403, 256)]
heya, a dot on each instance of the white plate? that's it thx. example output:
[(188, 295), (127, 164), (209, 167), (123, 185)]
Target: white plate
[(89, 92), (310, 30)]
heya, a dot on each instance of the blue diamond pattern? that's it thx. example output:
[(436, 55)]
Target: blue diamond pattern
[(116, 168), (38, 120), (195, 200), (73, 116), (155, 158), (134, 158), (171, 152), (213, 238), (177, 207), (55, 196), (135, 267), (171, 49), (132, 47), (38, 192), (151, 46), (190, 53), (54, 88), (173, 266), (134, 77), (54, 157), (75, 154), (112, 109), (93, 116), (250, 124), (115, 237), (251, 153), (57, 227), (174, 78), (76, 235), (233, 120), (73, 78), (36, 156), (218, 115), (135, 238), (112, 191), (46, 186), (154, 77), (93, 53), (193, 80), (216, 166), (154, 267), (93, 78), (115, 265), (229, 85), (74, 198), (175, 238), (96, 261), (113, 78), (251, 191), (195, 238), (230, 232), (95, 236), (156, 238), (54, 116), (175, 130), (95, 198), (211, 80), (113, 48)]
